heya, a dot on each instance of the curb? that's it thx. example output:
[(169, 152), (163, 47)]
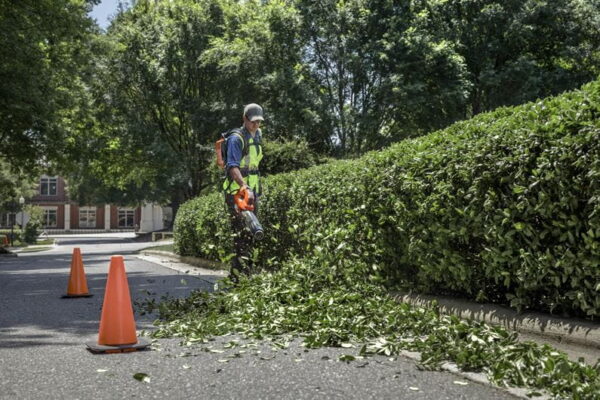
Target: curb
[(574, 331), (194, 261), (200, 268), (565, 330), (9, 252), (478, 377)]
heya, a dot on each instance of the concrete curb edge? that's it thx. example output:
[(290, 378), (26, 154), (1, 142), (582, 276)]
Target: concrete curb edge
[(580, 332), (194, 261)]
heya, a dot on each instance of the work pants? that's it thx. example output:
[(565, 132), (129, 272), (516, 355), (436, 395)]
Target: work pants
[(242, 240)]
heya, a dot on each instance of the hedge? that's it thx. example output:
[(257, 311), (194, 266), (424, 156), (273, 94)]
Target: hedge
[(504, 207), (283, 156)]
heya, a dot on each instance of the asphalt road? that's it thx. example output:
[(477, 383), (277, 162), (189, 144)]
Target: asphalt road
[(43, 356)]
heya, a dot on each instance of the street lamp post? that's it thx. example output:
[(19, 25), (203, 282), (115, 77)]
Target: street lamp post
[(21, 202), (12, 228)]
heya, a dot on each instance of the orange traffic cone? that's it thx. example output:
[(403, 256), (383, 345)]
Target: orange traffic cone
[(77, 282), (117, 326)]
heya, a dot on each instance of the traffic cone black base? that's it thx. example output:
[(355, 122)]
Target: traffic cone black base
[(70, 296), (117, 332), (142, 344)]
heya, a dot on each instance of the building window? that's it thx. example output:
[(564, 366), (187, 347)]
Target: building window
[(48, 186), (7, 219), (87, 217), (126, 216), (50, 218)]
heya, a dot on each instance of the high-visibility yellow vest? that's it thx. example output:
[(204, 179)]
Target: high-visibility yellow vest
[(249, 165)]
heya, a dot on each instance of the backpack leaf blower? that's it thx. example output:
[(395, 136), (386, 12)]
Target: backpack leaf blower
[(246, 211)]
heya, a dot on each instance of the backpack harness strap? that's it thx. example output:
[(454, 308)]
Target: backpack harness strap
[(245, 153)]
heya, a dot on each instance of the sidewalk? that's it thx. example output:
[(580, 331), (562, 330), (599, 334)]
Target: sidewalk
[(123, 235)]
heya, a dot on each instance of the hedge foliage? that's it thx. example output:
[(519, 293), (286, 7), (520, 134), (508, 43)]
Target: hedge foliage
[(286, 156), (503, 207), (283, 156)]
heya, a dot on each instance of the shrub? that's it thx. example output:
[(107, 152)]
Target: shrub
[(279, 157), (34, 225), (503, 207), (287, 156)]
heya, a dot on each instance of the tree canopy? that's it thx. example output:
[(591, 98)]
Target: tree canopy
[(132, 113), (44, 48)]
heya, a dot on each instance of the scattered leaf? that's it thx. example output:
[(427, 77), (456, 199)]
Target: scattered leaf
[(142, 377)]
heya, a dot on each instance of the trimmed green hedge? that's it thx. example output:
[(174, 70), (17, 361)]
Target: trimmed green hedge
[(503, 207), (282, 156)]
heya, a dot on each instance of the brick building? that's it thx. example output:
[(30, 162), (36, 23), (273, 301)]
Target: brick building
[(61, 214)]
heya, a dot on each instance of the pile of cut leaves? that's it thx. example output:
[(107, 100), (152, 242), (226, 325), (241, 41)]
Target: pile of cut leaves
[(342, 303)]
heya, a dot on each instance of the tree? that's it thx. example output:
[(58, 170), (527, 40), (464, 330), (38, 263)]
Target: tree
[(41, 51), (118, 161), (342, 74), (14, 184), (176, 74), (424, 82), (258, 58), (515, 50), (159, 98), (379, 78)]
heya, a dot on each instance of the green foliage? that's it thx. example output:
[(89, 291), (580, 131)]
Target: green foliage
[(346, 77), (503, 207), (516, 50), (14, 183), (32, 228), (286, 156), (504, 204), (258, 59), (40, 63), (382, 76), (279, 156), (158, 108), (332, 298)]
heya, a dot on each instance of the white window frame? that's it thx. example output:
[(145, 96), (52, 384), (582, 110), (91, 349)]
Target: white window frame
[(46, 217), (87, 212), (8, 219), (47, 181), (124, 213)]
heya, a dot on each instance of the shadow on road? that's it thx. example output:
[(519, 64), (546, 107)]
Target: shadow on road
[(31, 299), (33, 262)]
